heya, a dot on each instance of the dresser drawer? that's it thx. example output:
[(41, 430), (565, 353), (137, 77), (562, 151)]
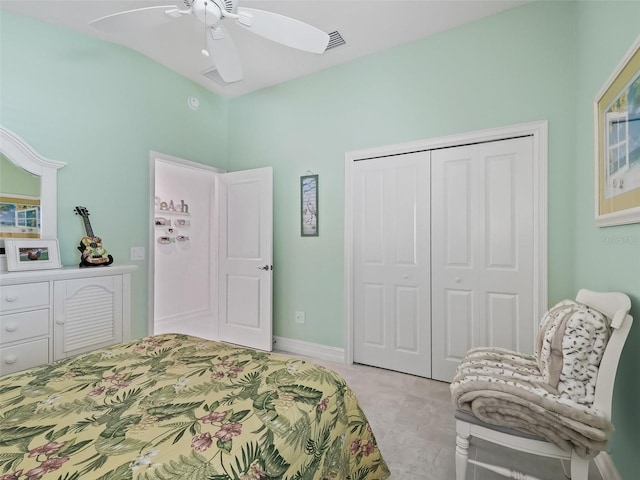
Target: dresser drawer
[(22, 297), (23, 356), (21, 326)]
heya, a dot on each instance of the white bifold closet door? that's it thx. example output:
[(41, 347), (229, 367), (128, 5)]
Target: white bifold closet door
[(391, 315), (482, 250), (443, 244)]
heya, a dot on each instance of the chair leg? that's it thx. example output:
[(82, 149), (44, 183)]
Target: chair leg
[(463, 431), (579, 467)]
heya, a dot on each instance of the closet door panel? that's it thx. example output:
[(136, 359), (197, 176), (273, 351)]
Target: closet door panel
[(458, 321), (500, 222), (503, 320), (392, 263), (455, 194), (374, 335), (482, 243), (372, 240)]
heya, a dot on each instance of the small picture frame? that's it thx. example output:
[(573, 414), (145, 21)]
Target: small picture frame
[(309, 206), (32, 254)]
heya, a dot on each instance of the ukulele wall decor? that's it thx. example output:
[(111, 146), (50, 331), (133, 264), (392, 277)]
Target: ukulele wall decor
[(92, 252)]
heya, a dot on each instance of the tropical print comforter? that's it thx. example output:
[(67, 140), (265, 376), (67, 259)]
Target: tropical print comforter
[(180, 407)]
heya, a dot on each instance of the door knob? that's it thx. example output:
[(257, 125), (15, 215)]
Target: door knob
[(266, 267)]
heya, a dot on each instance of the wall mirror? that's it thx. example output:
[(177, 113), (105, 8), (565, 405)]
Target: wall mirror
[(28, 190)]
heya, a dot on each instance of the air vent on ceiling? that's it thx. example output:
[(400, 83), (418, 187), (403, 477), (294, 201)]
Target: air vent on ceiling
[(214, 75), (335, 40)]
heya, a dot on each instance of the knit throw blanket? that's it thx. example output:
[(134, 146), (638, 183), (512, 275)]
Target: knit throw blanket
[(549, 394)]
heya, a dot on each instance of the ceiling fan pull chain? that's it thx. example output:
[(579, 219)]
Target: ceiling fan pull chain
[(205, 52)]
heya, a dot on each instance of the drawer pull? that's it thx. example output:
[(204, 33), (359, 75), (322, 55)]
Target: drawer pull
[(11, 298), (9, 359), (11, 328)]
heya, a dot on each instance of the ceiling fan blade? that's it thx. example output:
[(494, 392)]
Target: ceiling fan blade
[(224, 54), (129, 20), (285, 30)]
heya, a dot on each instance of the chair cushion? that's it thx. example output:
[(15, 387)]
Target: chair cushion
[(570, 343)]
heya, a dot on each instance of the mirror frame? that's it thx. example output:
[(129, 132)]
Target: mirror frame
[(21, 154)]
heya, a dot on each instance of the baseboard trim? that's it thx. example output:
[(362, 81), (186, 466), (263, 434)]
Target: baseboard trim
[(605, 466), (315, 350)]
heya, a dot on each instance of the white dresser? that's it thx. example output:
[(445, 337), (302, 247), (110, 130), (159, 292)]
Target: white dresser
[(49, 315)]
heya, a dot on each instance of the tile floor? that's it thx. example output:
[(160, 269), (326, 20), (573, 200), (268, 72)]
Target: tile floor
[(412, 419)]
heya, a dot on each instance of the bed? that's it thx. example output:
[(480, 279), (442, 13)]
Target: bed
[(180, 407)]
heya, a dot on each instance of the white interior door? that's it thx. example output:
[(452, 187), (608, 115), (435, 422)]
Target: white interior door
[(482, 250), (245, 252), (391, 289)]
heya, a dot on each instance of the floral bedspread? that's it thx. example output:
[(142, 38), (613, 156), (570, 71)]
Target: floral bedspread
[(180, 407)]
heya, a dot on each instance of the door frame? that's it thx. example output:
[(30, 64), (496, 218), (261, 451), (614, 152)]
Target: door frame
[(187, 164), (539, 132)]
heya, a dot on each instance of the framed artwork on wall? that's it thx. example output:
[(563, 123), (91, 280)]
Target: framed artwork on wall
[(309, 205), (617, 145), (32, 254)]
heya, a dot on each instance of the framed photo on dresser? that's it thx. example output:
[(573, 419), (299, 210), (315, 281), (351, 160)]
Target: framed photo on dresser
[(32, 254)]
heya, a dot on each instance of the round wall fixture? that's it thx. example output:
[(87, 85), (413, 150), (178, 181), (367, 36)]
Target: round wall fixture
[(193, 102)]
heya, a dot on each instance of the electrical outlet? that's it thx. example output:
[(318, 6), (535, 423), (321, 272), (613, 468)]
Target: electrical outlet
[(300, 317)]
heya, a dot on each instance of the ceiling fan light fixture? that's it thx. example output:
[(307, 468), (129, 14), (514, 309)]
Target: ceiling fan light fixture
[(207, 12), (217, 43)]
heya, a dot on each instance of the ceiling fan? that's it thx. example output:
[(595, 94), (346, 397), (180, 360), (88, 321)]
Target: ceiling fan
[(212, 13)]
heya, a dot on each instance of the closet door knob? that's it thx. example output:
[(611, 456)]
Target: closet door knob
[(9, 359), (11, 328)]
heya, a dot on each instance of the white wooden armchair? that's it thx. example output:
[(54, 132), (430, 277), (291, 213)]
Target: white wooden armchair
[(615, 306)]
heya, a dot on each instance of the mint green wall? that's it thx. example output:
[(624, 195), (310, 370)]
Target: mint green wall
[(16, 180), (100, 108), (607, 258), (510, 68), (545, 60)]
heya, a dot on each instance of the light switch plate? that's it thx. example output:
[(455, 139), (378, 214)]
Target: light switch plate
[(137, 253)]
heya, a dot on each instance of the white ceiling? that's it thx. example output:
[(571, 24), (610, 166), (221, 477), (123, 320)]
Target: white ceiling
[(366, 26)]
